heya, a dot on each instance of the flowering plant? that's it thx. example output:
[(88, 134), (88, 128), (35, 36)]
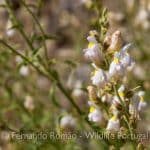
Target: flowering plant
[(39, 107), (113, 106)]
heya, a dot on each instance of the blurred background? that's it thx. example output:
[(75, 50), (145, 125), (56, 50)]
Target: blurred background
[(30, 101)]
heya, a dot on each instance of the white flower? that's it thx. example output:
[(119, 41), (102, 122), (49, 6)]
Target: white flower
[(18, 59), (116, 68), (67, 121), (9, 31), (133, 106), (99, 78), (24, 70), (93, 52), (113, 124), (95, 114), (121, 63), (125, 58), (114, 110), (121, 91), (77, 92), (29, 103), (142, 104), (116, 100), (141, 94)]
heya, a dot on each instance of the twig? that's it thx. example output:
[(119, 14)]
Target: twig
[(40, 27)]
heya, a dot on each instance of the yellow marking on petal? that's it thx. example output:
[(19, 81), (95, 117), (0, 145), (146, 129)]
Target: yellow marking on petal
[(91, 44), (92, 109), (114, 118), (95, 72), (141, 98), (121, 94), (116, 60)]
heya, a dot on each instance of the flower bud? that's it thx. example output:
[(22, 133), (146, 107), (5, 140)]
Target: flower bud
[(9, 31), (77, 91), (29, 103), (107, 42), (116, 42), (24, 71), (113, 124), (92, 93), (99, 78)]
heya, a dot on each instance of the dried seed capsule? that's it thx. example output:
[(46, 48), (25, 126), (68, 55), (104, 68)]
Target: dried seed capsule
[(92, 93)]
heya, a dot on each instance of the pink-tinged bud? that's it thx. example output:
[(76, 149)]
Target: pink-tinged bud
[(116, 42), (107, 42)]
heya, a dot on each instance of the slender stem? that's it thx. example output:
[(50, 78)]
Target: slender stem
[(40, 27), (121, 101), (116, 92), (26, 38), (131, 132), (60, 86), (48, 75), (19, 28), (30, 62)]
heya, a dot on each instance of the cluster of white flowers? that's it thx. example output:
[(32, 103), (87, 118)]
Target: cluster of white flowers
[(119, 63)]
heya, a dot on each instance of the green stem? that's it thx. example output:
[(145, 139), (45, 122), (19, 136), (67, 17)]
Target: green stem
[(48, 75), (40, 27), (19, 28), (121, 101)]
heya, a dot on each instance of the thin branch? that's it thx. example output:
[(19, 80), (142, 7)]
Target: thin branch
[(40, 27), (19, 28)]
